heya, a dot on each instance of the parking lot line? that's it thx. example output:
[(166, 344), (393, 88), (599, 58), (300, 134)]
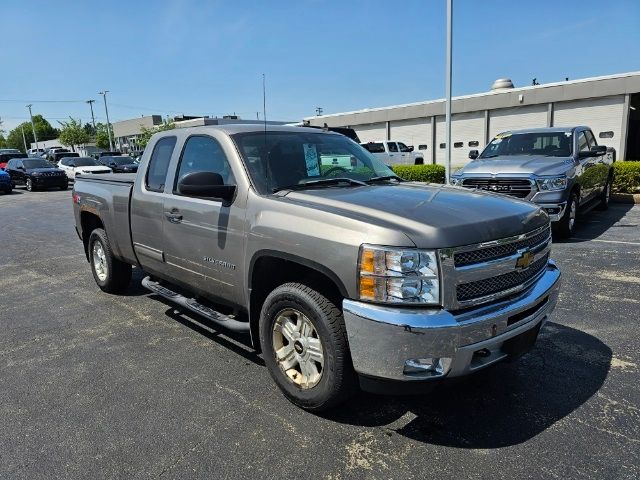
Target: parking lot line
[(606, 241)]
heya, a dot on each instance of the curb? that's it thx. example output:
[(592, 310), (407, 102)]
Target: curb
[(626, 198)]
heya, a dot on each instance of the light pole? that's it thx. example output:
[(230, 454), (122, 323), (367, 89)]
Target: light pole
[(33, 127), (106, 111), (93, 119), (24, 139), (448, 91)]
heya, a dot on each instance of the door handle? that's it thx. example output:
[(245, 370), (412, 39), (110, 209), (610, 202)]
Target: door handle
[(174, 216)]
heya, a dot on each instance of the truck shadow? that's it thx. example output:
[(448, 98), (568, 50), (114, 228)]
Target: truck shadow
[(594, 223), (502, 406)]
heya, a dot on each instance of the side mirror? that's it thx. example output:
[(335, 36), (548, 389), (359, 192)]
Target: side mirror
[(411, 148), (205, 185), (599, 150), (473, 154)]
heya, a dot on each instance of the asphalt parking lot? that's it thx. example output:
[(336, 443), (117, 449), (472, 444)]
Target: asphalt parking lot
[(101, 386)]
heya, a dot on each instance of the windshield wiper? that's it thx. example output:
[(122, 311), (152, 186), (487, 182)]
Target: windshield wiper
[(319, 183), (384, 178)]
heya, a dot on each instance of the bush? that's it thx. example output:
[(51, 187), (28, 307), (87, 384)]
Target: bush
[(626, 177), (420, 173)]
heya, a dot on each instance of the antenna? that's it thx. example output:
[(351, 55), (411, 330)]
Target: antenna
[(264, 106)]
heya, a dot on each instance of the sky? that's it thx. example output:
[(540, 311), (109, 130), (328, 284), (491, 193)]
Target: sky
[(199, 57)]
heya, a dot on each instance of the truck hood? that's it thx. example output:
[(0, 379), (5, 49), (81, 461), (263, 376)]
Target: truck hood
[(521, 164), (432, 216)]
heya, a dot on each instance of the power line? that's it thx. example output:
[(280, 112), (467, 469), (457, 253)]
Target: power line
[(43, 101)]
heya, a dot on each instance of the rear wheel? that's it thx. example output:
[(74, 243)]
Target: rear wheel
[(565, 226), (111, 274), (30, 187), (305, 347)]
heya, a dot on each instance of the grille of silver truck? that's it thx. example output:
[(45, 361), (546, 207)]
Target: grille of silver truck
[(515, 187), (480, 273), (490, 253)]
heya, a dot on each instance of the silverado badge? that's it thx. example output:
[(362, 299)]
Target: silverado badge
[(524, 260)]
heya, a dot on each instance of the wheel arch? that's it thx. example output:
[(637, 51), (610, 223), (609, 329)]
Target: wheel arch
[(88, 223)]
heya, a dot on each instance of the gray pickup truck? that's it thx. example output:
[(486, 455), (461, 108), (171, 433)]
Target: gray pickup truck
[(344, 276), (561, 169)]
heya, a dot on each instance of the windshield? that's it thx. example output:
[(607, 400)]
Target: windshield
[(37, 164), (281, 159), (546, 144), (121, 160), (85, 162)]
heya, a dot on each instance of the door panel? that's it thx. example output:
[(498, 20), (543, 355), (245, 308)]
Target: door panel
[(587, 175)]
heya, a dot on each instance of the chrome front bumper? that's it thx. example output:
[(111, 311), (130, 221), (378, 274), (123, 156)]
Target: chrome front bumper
[(387, 342)]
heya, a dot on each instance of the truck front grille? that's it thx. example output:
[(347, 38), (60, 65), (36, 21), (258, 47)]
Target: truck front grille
[(515, 187), (504, 282), (491, 253)]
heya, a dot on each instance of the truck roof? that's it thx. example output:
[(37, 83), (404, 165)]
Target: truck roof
[(233, 128), (546, 129)]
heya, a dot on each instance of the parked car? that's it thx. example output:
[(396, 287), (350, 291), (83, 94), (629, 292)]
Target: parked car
[(36, 173), (50, 152), (109, 154), (120, 164), (343, 279), (9, 150), (394, 153), (35, 151), (59, 155), (5, 182), (563, 170), (6, 156), (81, 165)]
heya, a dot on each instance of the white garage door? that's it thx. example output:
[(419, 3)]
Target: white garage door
[(371, 132), (465, 128), (600, 114), (504, 119), (414, 132), (439, 140)]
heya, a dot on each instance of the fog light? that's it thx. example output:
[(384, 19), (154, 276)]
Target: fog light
[(432, 367)]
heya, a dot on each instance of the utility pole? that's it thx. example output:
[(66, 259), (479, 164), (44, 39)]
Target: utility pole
[(93, 120), (318, 111), (24, 139), (35, 137), (448, 91), (106, 111)]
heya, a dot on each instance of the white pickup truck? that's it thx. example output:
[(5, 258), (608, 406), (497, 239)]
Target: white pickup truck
[(394, 153)]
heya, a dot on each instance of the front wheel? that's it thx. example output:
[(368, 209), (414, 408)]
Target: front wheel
[(305, 348), (30, 187), (605, 195), (565, 226), (111, 275)]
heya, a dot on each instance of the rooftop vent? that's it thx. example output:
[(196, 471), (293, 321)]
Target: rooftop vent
[(502, 83)]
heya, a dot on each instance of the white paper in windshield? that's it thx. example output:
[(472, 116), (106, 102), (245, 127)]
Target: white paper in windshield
[(311, 159)]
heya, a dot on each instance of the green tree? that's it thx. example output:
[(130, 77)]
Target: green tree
[(44, 130), (72, 134), (89, 129), (3, 141), (147, 133), (102, 136)]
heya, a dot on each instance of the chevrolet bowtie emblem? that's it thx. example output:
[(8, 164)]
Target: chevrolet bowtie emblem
[(524, 260)]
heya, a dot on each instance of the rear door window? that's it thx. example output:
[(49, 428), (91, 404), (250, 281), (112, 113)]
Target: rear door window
[(159, 164)]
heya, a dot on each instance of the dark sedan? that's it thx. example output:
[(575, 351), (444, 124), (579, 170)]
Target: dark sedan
[(123, 164), (36, 173)]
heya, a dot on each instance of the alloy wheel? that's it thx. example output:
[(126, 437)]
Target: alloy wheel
[(100, 261)]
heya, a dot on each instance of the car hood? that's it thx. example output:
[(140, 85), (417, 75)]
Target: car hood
[(520, 164), (432, 216), (43, 170)]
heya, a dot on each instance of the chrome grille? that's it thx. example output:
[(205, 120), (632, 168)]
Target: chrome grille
[(515, 187), (488, 286), (491, 253)]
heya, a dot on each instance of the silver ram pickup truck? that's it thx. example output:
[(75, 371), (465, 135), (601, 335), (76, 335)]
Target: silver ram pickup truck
[(344, 277), (562, 169)]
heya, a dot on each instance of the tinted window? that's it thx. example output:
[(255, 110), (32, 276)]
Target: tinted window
[(608, 134), (374, 147), (392, 146), (204, 154), (474, 143), (85, 162), (159, 163), (33, 163), (583, 145), (546, 144), (65, 162), (403, 147), (443, 145), (422, 147), (458, 144)]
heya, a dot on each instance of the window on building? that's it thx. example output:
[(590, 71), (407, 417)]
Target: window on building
[(204, 154), (422, 146), (443, 145), (458, 144), (474, 143), (607, 134), (392, 146), (159, 164)]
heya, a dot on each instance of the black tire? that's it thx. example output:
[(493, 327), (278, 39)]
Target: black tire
[(419, 161), (605, 195), (338, 380), (564, 227), (29, 185), (117, 274)]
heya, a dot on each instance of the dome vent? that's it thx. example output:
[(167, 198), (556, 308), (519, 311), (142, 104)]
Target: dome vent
[(502, 83)]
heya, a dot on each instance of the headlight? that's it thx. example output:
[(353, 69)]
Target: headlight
[(36, 174), (392, 275), (456, 181), (552, 183)]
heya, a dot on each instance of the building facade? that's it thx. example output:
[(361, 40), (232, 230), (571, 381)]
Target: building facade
[(609, 105)]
